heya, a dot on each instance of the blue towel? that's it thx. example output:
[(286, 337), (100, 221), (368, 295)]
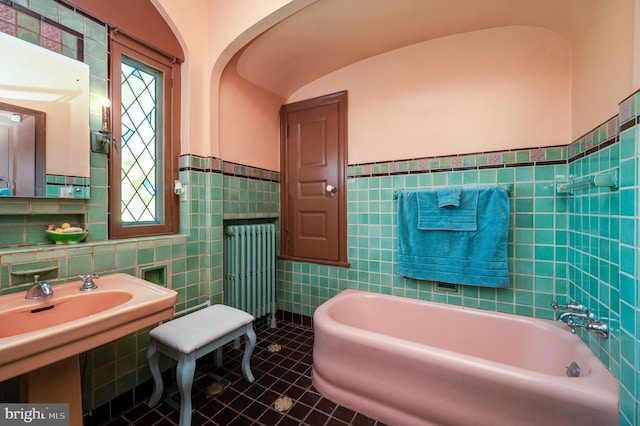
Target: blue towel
[(448, 197), (433, 217), (459, 257)]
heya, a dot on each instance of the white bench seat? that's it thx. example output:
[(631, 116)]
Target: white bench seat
[(192, 336)]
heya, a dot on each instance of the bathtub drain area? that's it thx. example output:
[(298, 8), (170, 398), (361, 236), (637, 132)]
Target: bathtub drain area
[(573, 370)]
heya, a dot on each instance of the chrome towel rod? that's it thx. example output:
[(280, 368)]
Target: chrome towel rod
[(600, 180), (508, 188)]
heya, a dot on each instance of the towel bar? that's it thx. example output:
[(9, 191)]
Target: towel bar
[(508, 188), (600, 180)]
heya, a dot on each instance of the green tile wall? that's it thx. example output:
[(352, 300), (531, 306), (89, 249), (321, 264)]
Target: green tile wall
[(537, 244), (249, 198), (201, 219), (602, 262)]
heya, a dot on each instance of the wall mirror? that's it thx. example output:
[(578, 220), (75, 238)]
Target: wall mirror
[(44, 122)]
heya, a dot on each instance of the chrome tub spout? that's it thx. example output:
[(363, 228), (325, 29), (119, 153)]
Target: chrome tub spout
[(579, 316), (586, 316)]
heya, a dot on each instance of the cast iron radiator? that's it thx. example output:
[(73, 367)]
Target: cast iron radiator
[(250, 269)]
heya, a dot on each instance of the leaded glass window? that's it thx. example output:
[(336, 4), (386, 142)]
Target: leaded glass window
[(141, 154), (143, 161)]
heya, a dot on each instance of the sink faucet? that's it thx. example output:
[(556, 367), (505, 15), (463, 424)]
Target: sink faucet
[(38, 289), (87, 281)]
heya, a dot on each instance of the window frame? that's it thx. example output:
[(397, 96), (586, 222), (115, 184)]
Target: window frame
[(122, 45)]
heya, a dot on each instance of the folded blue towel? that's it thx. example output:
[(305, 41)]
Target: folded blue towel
[(448, 197), (460, 257), (432, 217)]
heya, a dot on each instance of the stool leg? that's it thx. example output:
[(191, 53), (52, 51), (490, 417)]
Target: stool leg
[(249, 344), (184, 375), (219, 357), (153, 356)]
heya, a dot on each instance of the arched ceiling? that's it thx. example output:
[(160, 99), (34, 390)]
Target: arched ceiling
[(331, 34)]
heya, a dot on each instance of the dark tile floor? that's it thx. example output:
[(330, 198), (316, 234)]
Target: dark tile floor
[(279, 375)]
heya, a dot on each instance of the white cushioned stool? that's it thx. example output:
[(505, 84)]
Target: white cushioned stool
[(192, 336)]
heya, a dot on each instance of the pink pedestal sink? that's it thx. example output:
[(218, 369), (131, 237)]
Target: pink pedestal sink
[(36, 333)]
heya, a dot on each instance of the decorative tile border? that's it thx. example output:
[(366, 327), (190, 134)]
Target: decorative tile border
[(81, 186), (196, 163), (599, 138), (630, 110), (482, 160), (211, 164)]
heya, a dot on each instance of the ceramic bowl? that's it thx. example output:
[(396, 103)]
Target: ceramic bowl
[(66, 238)]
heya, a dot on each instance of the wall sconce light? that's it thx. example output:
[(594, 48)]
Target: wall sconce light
[(101, 139), (106, 114)]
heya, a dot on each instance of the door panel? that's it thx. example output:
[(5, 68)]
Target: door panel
[(312, 166), (313, 158)]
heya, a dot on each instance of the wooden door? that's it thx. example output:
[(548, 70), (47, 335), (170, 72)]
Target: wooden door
[(313, 179)]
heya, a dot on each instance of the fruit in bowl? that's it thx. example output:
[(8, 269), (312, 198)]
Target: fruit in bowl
[(66, 234)]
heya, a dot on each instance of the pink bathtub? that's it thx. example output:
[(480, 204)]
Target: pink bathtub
[(409, 362)]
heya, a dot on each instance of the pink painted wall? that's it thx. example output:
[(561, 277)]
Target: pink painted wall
[(211, 32), (603, 62), (248, 114), (503, 88), (601, 74)]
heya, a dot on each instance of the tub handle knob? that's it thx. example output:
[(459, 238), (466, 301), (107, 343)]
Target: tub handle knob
[(571, 307)]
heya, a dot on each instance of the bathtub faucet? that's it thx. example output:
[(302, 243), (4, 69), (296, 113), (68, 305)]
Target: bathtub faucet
[(579, 316), (585, 316), (577, 321), (571, 307)]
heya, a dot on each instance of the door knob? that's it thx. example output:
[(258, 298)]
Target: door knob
[(331, 189)]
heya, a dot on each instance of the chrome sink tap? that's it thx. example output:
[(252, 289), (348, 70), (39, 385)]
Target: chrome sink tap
[(39, 289), (87, 281)]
